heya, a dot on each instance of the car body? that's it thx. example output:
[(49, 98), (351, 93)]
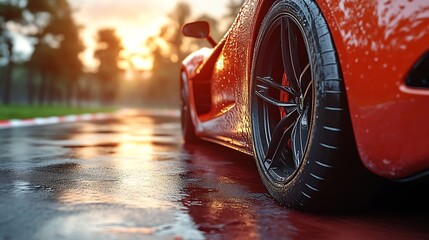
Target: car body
[(380, 45)]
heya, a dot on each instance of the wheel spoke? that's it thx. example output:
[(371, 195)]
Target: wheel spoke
[(270, 82), (281, 135), (278, 148), (293, 50), (263, 94), (287, 57), (304, 71), (266, 123), (299, 137)]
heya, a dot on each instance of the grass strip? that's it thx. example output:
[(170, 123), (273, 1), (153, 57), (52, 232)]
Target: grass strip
[(25, 112)]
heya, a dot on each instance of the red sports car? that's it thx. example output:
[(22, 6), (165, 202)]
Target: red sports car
[(320, 92)]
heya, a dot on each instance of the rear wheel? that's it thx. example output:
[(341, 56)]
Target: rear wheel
[(303, 141), (188, 129)]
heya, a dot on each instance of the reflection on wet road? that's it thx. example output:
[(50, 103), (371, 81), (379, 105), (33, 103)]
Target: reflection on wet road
[(132, 178)]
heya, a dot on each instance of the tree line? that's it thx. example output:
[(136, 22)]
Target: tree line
[(53, 74)]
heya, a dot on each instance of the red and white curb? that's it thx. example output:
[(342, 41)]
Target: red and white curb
[(54, 120), (87, 117)]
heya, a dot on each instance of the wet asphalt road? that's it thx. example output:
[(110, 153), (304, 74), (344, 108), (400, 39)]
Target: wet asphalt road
[(132, 178)]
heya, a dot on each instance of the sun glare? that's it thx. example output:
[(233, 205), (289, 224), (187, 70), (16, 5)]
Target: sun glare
[(136, 53), (142, 62), (134, 22)]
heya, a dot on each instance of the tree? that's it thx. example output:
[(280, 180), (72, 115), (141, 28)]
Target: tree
[(70, 47), (57, 45), (107, 53), (167, 51), (41, 11), (10, 11), (17, 13), (178, 18), (56, 52)]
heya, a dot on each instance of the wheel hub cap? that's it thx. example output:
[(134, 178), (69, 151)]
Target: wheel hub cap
[(300, 104)]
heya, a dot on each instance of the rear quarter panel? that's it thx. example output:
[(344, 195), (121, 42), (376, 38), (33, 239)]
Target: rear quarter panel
[(378, 41)]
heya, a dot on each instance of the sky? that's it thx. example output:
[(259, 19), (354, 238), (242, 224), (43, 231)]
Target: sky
[(134, 20)]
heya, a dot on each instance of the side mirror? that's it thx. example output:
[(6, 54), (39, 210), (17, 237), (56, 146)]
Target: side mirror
[(199, 29)]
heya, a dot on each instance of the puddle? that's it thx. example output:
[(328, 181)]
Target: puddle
[(26, 187)]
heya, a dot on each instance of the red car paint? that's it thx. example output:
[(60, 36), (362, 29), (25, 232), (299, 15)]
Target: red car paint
[(377, 42)]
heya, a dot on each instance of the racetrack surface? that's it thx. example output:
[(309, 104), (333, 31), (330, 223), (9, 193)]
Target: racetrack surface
[(133, 178)]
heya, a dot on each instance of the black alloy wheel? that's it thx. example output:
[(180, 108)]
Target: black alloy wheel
[(303, 140), (284, 87)]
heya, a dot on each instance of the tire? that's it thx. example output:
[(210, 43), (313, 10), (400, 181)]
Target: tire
[(188, 129), (303, 140)]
